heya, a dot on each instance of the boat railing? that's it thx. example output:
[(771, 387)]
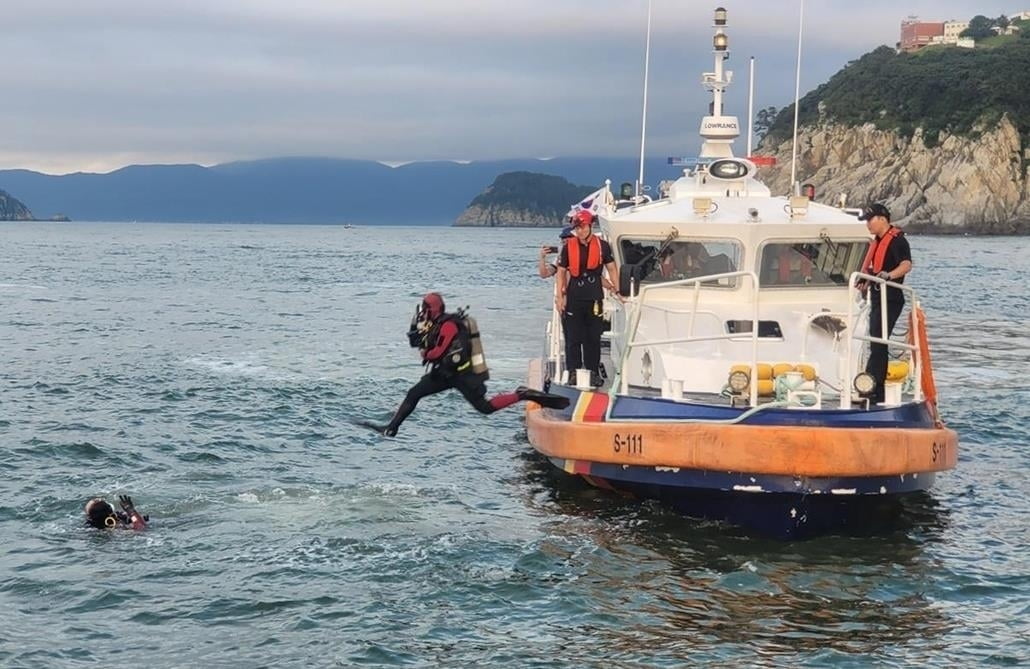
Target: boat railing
[(639, 301), (913, 347)]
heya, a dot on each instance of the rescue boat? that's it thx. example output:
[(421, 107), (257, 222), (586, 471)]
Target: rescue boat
[(735, 385)]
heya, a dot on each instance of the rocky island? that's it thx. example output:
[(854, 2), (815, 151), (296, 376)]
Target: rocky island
[(523, 199), (12, 209)]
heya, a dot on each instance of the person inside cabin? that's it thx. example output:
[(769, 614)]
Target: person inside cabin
[(684, 260), (101, 515), (889, 258), (548, 269), (449, 345), (582, 265)]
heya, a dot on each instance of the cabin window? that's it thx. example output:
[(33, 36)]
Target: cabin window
[(766, 329), (660, 261), (822, 262)]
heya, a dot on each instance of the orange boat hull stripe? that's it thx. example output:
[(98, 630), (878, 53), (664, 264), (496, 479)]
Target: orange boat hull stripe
[(760, 449)]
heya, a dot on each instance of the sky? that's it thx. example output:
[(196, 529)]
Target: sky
[(94, 86)]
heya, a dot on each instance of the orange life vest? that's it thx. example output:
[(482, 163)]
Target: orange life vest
[(873, 263), (593, 254)]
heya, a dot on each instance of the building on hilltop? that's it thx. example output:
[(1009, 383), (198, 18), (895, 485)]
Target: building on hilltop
[(916, 34), (1007, 30), (952, 30)]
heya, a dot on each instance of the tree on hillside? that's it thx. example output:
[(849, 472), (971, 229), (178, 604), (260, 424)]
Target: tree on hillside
[(953, 91), (979, 28), (1002, 22), (764, 120)]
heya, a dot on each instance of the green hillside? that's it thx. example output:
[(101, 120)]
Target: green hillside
[(530, 191), (939, 89)]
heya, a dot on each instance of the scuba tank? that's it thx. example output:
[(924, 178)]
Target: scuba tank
[(466, 351), (476, 344)]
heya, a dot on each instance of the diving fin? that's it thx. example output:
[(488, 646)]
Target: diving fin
[(543, 399), (382, 429)]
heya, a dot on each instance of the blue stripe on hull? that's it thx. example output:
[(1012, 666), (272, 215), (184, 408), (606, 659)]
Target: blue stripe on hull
[(912, 415), (744, 482), (778, 506)]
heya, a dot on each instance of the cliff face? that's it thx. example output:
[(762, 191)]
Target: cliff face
[(975, 184), (13, 210)]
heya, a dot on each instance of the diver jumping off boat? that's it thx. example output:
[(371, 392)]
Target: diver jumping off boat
[(449, 344)]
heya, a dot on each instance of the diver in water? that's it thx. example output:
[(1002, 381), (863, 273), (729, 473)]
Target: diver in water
[(450, 346), (100, 514)]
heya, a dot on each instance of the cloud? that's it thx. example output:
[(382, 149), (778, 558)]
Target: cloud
[(95, 85)]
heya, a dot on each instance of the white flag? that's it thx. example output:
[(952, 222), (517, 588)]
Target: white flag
[(595, 203)]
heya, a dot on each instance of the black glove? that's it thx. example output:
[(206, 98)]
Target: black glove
[(886, 276), (127, 505)]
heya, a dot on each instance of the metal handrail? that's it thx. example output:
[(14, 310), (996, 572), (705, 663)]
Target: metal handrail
[(554, 331), (917, 354), (620, 382)]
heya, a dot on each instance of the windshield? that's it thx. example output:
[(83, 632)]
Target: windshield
[(810, 263), (658, 261)]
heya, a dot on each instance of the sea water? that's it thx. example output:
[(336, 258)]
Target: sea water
[(213, 372)]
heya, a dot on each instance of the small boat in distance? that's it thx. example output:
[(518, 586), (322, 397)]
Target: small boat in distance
[(736, 387)]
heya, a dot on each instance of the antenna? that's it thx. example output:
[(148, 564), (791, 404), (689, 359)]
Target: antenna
[(797, 102), (643, 120), (750, 106), (718, 131)]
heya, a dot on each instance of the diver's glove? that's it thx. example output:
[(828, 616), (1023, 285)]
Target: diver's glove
[(129, 508), (127, 505)]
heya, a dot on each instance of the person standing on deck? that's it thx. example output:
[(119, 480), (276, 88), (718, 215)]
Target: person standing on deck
[(580, 294), (547, 269), (890, 258)]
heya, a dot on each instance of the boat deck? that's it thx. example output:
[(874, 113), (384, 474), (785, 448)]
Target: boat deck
[(707, 399)]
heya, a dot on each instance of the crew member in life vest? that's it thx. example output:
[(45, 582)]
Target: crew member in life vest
[(580, 296), (890, 258), (450, 346)]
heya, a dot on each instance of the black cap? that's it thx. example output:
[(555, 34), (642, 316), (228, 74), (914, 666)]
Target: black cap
[(875, 209)]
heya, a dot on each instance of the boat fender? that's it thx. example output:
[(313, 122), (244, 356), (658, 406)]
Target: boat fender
[(765, 370), (807, 370), (897, 370)]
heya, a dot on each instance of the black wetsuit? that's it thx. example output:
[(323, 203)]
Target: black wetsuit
[(443, 374)]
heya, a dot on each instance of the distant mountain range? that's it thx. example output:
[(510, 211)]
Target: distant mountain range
[(298, 190)]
